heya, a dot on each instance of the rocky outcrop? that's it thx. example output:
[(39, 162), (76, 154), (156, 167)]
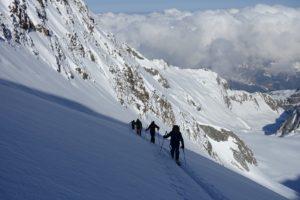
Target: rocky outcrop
[(131, 90), (208, 136), (162, 108), (294, 99), (242, 154), (242, 97), (270, 101), (20, 16), (192, 103), (155, 73), (134, 53), (292, 122), (288, 122)]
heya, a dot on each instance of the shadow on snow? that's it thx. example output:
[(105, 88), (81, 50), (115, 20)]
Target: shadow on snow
[(271, 129), (55, 99), (293, 184)]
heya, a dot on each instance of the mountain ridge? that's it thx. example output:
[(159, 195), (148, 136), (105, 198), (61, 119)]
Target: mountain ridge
[(93, 55)]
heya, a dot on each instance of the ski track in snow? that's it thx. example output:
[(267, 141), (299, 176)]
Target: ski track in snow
[(176, 181), (209, 188)]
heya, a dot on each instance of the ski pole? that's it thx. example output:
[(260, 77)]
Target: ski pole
[(184, 157), (145, 133), (162, 144), (158, 139)]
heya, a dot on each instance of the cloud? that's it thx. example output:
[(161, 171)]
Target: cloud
[(265, 37)]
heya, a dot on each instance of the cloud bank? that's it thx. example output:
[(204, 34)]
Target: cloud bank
[(264, 37)]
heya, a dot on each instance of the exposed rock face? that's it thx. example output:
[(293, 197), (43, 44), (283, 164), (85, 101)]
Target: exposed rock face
[(154, 72), (292, 123), (294, 99), (242, 96), (286, 98), (20, 16), (209, 137), (5, 33), (242, 154), (134, 53), (290, 101), (271, 102), (192, 102), (163, 108), (130, 88)]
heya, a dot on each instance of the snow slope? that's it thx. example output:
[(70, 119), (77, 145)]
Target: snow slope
[(55, 148), (69, 154), (115, 77)]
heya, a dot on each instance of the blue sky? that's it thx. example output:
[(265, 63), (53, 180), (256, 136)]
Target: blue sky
[(144, 6)]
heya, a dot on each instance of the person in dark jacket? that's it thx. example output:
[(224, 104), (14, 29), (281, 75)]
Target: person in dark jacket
[(133, 124), (152, 128), (176, 138), (138, 127)]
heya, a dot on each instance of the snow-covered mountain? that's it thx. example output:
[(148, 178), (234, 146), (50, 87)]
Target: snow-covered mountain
[(63, 35), (54, 46)]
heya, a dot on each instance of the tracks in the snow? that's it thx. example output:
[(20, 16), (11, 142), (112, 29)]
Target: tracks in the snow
[(210, 189), (213, 192), (177, 183)]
